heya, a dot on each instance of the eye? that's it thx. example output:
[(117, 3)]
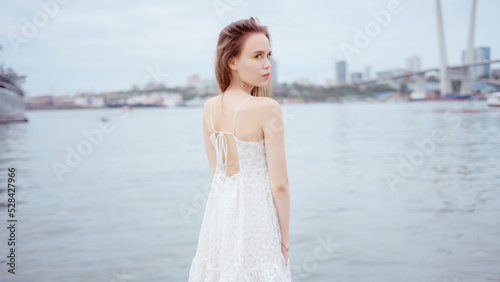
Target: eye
[(269, 55)]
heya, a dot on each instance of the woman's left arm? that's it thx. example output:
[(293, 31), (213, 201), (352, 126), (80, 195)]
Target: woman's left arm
[(209, 148)]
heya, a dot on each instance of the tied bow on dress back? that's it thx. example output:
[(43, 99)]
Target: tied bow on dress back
[(221, 142)]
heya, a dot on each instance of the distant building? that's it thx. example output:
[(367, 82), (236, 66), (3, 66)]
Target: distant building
[(193, 81), (64, 102), (479, 54), (495, 73), (40, 102), (341, 71), (388, 73), (89, 100), (158, 98), (303, 81), (274, 75), (198, 83), (330, 82), (368, 71), (274, 70), (356, 77), (413, 63)]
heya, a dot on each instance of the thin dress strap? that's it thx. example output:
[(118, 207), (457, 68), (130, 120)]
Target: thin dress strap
[(234, 120)]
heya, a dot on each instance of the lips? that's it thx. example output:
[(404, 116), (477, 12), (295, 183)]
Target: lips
[(266, 75)]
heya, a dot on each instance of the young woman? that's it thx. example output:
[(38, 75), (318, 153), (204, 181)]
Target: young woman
[(245, 230)]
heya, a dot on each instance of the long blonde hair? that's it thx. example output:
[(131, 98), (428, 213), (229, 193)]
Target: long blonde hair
[(230, 43)]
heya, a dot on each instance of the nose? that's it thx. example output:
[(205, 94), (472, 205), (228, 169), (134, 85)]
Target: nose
[(267, 66)]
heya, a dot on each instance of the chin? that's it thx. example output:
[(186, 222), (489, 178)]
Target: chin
[(262, 84), (258, 83)]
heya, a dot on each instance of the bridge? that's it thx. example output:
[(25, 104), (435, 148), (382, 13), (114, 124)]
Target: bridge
[(460, 73)]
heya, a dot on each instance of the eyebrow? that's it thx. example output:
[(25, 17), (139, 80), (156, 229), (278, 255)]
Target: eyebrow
[(259, 51)]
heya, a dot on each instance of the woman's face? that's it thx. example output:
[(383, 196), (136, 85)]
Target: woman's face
[(254, 61)]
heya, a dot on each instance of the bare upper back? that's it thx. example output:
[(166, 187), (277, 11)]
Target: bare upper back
[(248, 123)]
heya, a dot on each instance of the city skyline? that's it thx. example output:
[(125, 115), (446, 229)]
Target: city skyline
[(84, 49)]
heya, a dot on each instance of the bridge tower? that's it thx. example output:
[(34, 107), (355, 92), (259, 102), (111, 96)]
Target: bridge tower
[(466, 86), (445, 81)]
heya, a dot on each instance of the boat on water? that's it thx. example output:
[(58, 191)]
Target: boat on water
[(493, 99), (126, 108), (447, 97), (12, 101)]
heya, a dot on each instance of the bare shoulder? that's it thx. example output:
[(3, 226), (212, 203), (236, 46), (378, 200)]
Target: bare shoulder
[(208, 103), (269, 109), (210, 100), (268, 104)]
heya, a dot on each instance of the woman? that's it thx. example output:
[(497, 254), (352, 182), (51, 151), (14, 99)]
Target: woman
[(244, 234)]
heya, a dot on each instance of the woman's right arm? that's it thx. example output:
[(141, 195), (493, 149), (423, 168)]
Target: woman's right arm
[(274, 136)]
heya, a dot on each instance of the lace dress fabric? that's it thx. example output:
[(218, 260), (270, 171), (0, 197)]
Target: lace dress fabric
[(240, 238)]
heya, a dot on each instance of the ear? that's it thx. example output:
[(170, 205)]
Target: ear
[(232, 64)]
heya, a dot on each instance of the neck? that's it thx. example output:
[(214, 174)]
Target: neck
[(240, 86)]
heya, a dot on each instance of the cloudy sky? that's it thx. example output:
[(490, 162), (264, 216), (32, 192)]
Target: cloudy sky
[(70, 46)]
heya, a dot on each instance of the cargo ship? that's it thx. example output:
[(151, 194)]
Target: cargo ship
[(12, 101)]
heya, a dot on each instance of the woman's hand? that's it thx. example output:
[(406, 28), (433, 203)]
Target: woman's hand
[(284, 251)]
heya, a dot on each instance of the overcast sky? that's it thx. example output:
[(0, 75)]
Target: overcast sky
[(111, 45)]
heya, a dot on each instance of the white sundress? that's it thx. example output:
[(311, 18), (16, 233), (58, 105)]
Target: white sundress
[(240, 237)]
